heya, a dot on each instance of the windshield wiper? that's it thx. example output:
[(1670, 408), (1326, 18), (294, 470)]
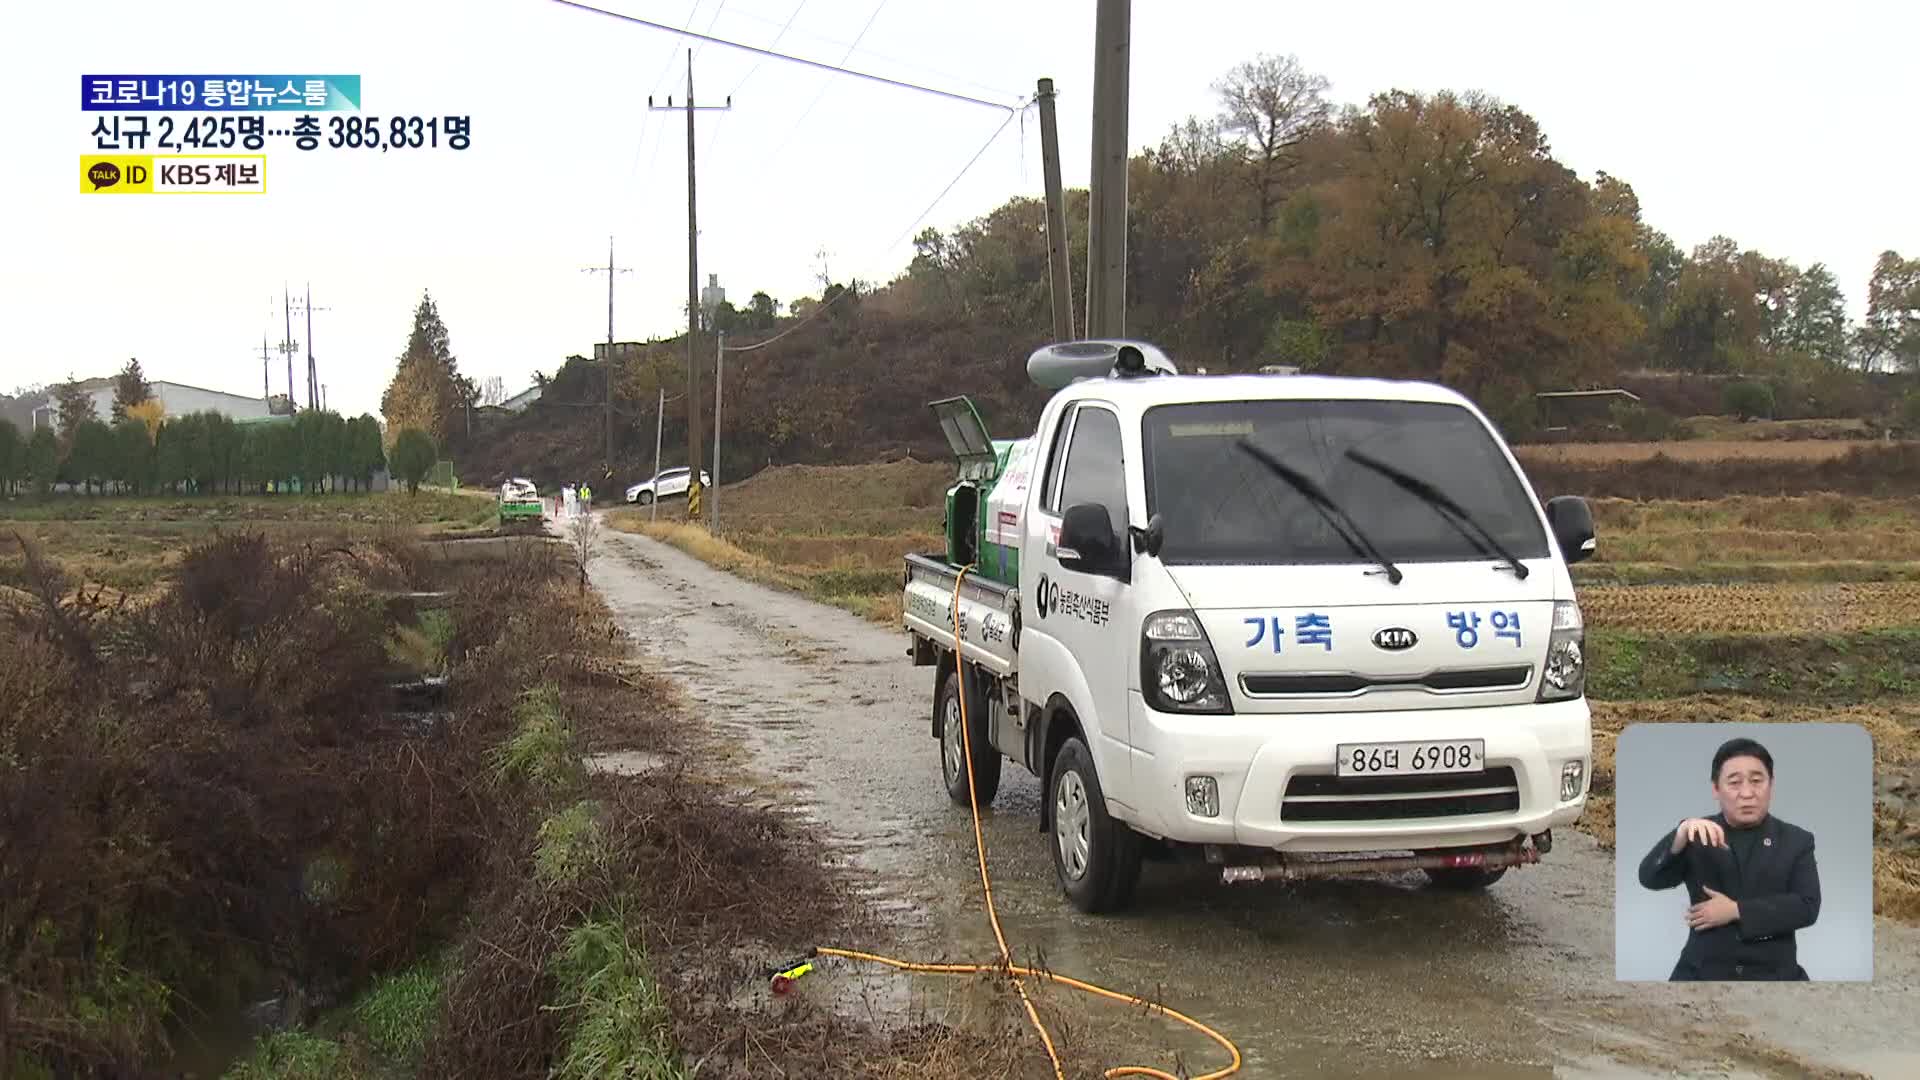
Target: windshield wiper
[(1455, 514), (1341, 521)]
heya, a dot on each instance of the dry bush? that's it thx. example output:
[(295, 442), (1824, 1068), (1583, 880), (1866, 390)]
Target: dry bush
[(209, 786)]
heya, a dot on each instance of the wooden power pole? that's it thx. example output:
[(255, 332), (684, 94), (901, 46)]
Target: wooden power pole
[(1060, 274), (693, 301), (1107, 207), (610, 270)]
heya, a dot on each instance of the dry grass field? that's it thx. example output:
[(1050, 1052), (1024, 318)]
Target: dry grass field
[(1689, 450), (1780, 607), (129, 544)]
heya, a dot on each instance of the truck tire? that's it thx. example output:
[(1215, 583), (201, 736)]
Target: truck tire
[(1464, 878), (986, 760), (1095, 858)]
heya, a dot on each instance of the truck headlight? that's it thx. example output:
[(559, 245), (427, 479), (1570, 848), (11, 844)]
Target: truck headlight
[(1178, 671), (1564, 676)]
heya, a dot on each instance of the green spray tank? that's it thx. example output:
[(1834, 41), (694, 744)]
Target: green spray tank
[(984, 505)]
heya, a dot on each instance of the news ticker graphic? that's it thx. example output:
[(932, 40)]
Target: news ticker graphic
[(139, 147), (306, 132), (179, 174), (219, 93)]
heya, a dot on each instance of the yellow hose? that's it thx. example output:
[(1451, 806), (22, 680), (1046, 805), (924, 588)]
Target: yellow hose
[(1006, 958)]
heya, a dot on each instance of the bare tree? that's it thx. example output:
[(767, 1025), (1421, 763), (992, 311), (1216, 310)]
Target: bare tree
[(583, 532), (493, 391), (1273, 104)]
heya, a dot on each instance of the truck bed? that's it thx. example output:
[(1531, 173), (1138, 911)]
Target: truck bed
[(987, 612)]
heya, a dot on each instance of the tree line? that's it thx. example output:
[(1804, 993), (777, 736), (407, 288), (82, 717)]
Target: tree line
[(197, 453), (1433, 236), (1430, 236)]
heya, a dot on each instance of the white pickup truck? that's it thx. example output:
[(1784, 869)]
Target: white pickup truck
[(1292, 625)]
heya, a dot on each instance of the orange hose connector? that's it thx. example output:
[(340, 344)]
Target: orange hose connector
[(1016, 971)]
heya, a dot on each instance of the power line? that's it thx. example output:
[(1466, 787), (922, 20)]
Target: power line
[(711, 23), (901, 83), (788, 25), (821, 309), (957, 178), (654, 88), (917, 63), (793, 129)]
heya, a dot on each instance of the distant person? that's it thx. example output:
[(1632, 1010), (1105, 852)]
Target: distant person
[(586, 498), (1750, 876)]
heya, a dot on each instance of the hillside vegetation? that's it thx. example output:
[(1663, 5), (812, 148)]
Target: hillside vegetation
[(1431, 236)]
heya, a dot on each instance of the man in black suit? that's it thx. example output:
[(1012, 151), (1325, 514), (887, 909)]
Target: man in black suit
[(1750, 876)]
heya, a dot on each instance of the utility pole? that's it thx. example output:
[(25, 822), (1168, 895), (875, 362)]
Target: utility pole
[(711, 298), (1060, 274), (693, 301), (719, 361), (313, 373), (610, 270), (659, 425), (1107, 207), (266, 387), (288, 346)]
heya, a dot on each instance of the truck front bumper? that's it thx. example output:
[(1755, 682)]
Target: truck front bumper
[(1278, 790)]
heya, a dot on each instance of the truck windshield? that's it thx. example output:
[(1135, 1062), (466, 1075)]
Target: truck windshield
[(1219, 504)]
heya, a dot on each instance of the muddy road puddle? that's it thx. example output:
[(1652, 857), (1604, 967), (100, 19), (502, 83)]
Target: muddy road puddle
[(1341, 978)]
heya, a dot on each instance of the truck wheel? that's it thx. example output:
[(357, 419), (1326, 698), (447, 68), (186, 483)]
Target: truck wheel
[(1096, 858), (1464, 878), (986, 760)]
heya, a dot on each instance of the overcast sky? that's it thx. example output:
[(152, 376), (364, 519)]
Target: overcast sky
[(1785, 126)]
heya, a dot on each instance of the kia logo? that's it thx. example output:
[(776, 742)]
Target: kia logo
[(1395, 639), (1042, 601)]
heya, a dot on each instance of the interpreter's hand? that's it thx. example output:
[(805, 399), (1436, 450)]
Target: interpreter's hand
[(1716, 910), (1698, 831)]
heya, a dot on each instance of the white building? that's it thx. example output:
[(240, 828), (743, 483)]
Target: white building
[(176, 399), (523, 399)]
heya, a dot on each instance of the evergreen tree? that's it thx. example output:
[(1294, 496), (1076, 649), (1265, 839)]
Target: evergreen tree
[(130, 387), (427, 391)]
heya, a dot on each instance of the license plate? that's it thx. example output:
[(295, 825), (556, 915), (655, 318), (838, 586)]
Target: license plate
[(1411, 758)]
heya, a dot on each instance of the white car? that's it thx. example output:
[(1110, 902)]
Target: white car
[(669, 483)]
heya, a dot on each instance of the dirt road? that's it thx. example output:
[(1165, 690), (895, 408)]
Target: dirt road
[(1352, 978)]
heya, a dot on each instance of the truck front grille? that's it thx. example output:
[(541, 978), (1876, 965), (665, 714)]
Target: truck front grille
[(1514, 677), (1326, 797)]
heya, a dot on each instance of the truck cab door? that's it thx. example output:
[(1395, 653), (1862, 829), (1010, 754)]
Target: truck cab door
[(1073, 614)]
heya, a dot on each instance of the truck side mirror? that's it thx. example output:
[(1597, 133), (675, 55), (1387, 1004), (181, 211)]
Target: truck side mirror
[(1150, 539), (1572, 523), (1087, 543)]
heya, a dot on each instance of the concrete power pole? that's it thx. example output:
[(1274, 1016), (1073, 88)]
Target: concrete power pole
[(719, 362), (610, 270), (266, 385), (289, 345), (659, 426), (711, 298), (1060, 274), (313, 371), (1107, 209), (694, 436)]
